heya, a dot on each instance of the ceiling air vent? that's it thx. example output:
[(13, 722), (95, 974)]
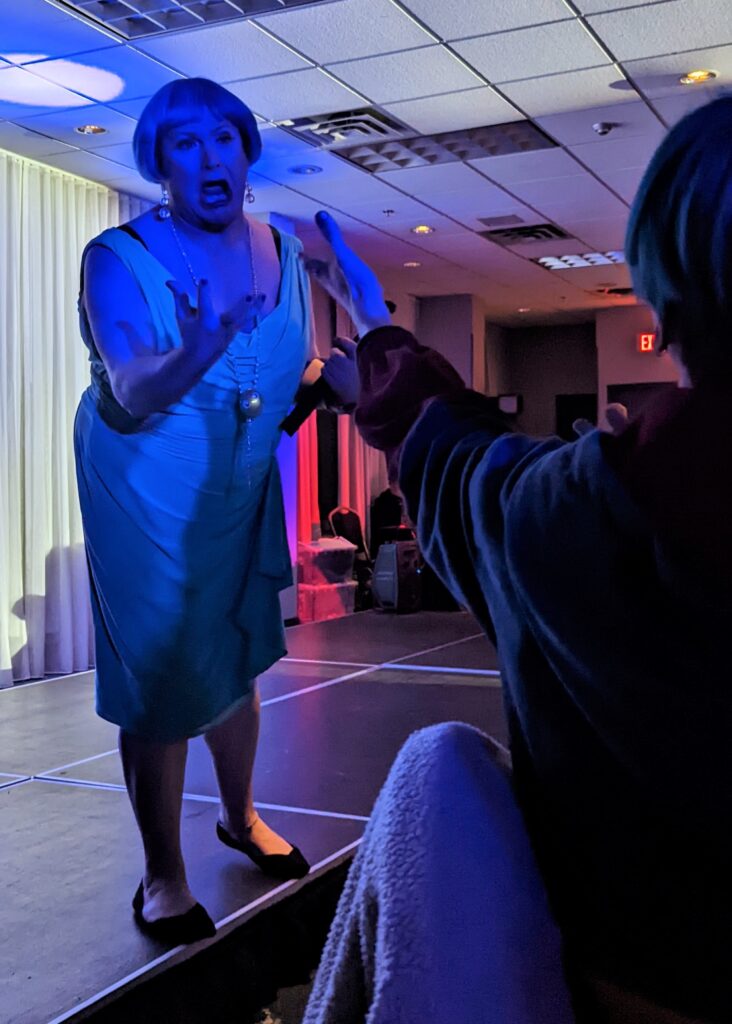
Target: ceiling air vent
[(447, 147), (525, 234), (365, 125), (506, 221), (133, 19), (622, 292)]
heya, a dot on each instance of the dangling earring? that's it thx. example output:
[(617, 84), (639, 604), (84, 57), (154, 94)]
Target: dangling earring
[(164, 205), (248, 193)]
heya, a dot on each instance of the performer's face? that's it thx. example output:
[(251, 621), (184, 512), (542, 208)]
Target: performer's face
[(206, 168)]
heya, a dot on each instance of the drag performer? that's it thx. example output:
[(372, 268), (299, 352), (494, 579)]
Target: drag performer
[(197, 320)]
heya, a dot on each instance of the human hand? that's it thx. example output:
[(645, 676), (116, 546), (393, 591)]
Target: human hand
[(348, 279), (616, 420), (340, 371), (205, 332)]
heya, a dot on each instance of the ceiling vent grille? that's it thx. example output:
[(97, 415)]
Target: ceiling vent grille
[(448, 147), (133, 19), (525, 234), (366, 125)]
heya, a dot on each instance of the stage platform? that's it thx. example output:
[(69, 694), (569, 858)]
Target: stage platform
[(335, 713)]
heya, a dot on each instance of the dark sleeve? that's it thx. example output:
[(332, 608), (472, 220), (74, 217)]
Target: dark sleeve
[(457, 460)]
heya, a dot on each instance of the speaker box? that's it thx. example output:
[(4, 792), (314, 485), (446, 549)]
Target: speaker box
[(396, 585)]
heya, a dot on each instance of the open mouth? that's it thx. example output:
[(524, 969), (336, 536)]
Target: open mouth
[(216, 192)]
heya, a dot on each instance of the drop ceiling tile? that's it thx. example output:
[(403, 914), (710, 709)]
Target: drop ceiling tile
[(673, 108), (132, 108), (344, 189), (229, 52), (38, 27), (428, 71), (581, 197), (134, 185), (86, 165), (469, 209), (18, 139), (360, 28), (62, 125), (454, 111), (659, 76), (624, 181), (657, 29), (121, 154), (532, 52), (480, 17), (536, 166), (23, 94), (106, 75), (572, 127), (618, 154), (426, 181), (555, 94), (295, 94), (596, 6), (601, 235)]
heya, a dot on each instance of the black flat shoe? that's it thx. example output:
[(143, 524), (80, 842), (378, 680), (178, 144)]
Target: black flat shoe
[(284, 866), (180, 930)]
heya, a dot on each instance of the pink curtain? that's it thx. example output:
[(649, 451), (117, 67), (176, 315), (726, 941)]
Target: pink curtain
[(308, 512), (361, 469)]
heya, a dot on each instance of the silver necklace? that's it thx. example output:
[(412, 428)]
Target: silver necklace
[(244, 366)]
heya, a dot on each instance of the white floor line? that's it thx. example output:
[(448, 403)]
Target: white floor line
[(440, 647), (75, 764), (318, 686), (201, 798), (175, 953), (321, 661), (22, 685), (281, 888), (311, 811), (493, 673)]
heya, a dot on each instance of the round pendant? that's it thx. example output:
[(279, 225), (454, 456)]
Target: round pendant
[(250, 403)]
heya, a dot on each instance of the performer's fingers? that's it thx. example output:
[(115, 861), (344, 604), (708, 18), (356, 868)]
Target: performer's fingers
[(183, 310)]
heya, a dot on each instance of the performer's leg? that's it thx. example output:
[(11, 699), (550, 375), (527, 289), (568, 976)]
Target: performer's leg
[(233, 746), (444, 915), (154, 777)]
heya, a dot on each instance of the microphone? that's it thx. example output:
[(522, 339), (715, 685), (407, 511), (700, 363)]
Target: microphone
[(307, 403)]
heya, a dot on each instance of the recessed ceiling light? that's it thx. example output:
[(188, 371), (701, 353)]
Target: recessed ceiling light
[(422, 229), (91, 129), (412, 263), (306, 169), (524, 309), (589, 259), (698, 77)]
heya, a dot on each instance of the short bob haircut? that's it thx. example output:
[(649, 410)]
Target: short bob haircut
[(165, 108), (679, 239)]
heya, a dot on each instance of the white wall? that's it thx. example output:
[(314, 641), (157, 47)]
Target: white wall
[(496, 373), (618, 358), (445, 323), (543, 362)]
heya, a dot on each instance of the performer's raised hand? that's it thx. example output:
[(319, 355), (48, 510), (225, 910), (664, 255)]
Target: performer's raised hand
[(202, 329), (350, 281)]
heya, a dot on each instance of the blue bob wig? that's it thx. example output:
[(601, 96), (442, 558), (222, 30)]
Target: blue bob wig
[(679, 239), (177, 98)]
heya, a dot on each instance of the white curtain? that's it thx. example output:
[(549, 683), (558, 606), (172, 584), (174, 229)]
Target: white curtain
[(46, 218)]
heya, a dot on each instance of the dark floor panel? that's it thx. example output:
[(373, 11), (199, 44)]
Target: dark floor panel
[(51, 724), (331, 750), (378, 636), (288, 677), (477, 652), (69, 863)]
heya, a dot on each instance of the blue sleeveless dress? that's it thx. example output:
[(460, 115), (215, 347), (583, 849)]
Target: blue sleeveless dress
[(184, 519)]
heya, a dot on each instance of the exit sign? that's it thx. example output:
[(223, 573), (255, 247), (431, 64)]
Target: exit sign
[(646, 342)]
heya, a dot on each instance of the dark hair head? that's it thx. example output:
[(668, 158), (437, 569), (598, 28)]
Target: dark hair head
[(175, 100), (679, 239)]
